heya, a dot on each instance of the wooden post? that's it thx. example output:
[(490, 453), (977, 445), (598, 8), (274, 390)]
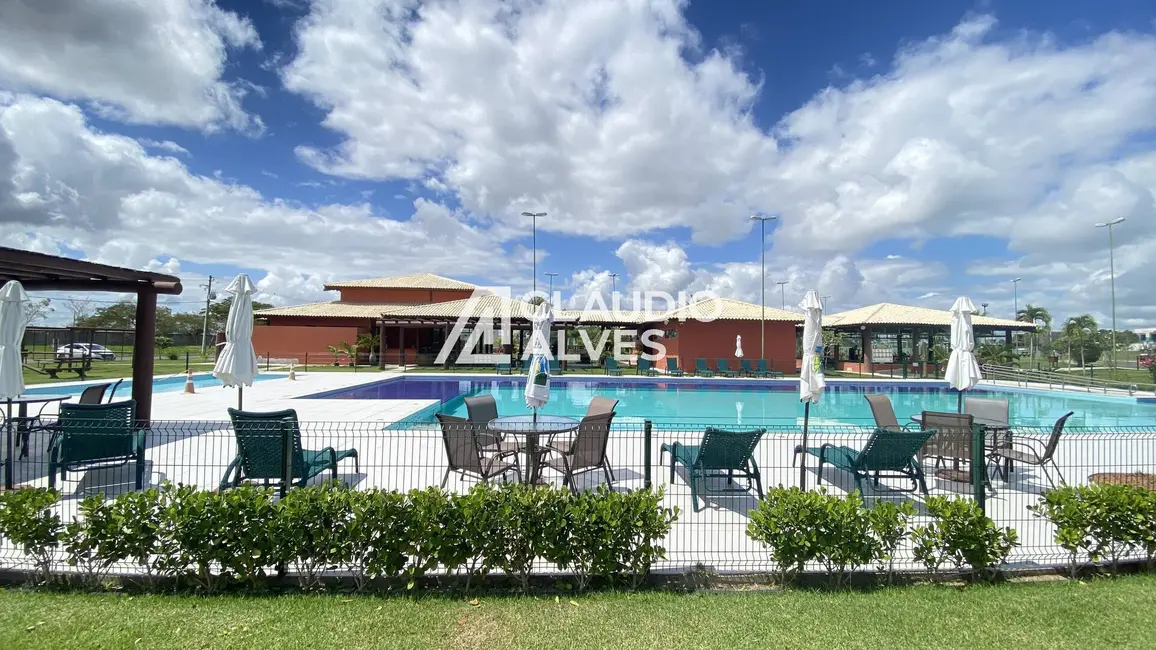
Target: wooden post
[(144, 349), (381, 347), (865, 333)]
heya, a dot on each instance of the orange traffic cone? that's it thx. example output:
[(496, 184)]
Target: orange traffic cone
[(189, 387), (292, 373)]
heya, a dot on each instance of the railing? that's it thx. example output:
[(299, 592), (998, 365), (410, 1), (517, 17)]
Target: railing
[(1062, 380)]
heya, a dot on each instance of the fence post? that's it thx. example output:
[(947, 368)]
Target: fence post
[(287, 460), (646, 444), (186, 360), (268, 359), (306, 362), (979, 467)]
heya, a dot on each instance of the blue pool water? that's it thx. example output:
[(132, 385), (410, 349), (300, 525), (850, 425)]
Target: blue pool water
[(160, 385), (746, 402)]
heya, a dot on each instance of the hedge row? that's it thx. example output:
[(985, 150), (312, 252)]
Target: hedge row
[(798, 527), (212, 540), (1097, 522)]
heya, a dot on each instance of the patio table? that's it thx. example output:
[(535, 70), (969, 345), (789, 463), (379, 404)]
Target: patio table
[(997, 435), (21, 427), (532, 427)]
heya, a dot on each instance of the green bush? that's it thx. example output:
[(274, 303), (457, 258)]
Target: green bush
[(310, 529), (963, 535), (890, 525), (136, 516), (1101, 521), (27, 520), (377, 535), (91, 540)]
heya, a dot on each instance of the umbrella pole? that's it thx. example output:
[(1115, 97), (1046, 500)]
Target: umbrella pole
[(240, 397), (959, 401), (8, 482), (803, 456)]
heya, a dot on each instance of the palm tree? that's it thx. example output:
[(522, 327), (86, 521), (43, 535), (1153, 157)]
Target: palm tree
[(1079, 330), (1038, 316), (995, 354)]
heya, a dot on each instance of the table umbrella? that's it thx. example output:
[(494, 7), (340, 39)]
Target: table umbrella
[(237, 363), (962, 369), (13, 320), (538, 378), (739, 346), (811, 380)]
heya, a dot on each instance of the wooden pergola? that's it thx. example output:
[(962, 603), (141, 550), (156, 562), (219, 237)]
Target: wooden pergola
[(40, 272)]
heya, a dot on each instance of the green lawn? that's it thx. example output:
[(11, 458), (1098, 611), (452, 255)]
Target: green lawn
[(1104, 613)]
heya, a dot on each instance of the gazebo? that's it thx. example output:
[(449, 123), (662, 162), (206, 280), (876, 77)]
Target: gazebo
[(40, 272), (904, 326)]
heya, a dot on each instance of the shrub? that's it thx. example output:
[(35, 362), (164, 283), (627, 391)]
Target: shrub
[(136, 516), (890, 526), (198, 528), (1067, 510), (436, 534), (1101, 521), (377, 535), (637, 526), (254, 542), (91, 541), (28, 521), (963, 535), (311, 531), (527, 524)]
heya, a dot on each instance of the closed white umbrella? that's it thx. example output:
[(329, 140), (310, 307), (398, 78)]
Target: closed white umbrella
[(811, 380), (962, 369), (12, 323), (739, 346), (237, 363), (538, 379)]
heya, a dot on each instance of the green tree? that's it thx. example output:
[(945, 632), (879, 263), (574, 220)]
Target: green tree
[(996, 354), (370, 343), (118, 316), (219, 313), (1080, 336), (1039, 317)]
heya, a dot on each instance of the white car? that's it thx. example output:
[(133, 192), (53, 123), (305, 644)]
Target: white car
[(84, 351)]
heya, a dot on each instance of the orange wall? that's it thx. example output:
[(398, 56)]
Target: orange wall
[(364, 294), (289, 341), (696, 339)]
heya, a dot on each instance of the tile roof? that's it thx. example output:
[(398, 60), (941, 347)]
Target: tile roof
[(415, 281), (886, 313), (731, 309), (336, 309), (476, 306)]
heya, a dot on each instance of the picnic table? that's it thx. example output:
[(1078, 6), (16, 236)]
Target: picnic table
[(52, 368)]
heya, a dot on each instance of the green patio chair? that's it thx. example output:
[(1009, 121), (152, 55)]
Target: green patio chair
[(96, 436), (701, 369), (646, 368), (720, 454), (767, 372), (612, 367), (555, 367), (888, 453), (747, 369), (672, 367), (261, 451), (503, 369), (724, 370)]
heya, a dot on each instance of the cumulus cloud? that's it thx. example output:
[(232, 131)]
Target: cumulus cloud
[(155, 62)]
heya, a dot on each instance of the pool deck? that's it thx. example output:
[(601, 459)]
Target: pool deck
[(194, 444)]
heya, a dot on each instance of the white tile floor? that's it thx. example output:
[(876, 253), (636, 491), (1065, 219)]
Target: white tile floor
[(194, 445)]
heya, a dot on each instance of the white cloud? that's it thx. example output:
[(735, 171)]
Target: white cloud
[(587, 110), (155, 62), (163, 145)]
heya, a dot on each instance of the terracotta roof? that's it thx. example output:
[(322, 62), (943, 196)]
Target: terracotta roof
[(336, 309), (731, 309), (476, 306), (610, 317), (886, 313), (415, 281)]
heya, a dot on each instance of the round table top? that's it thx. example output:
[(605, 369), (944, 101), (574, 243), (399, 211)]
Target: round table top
[(528, 424), (984, 422), (36, 399)]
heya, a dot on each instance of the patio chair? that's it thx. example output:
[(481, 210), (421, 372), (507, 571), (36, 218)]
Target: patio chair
[(884, 413), (555, 367), (612, 367), (481, 410), (720, 454), (112, 392), (888, 453), (1034, 452), (96, 436), (987, 410), (723, 370), (261, 451), (466, 457), (90, 395), (672, 367), (701, 369), (745, 368), (601, 406), (503, 369), (767, 371), (585, 452), (646, 368)]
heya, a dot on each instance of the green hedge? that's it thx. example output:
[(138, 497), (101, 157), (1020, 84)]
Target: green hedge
[(1097, 522), (797, 527), (211, 540)]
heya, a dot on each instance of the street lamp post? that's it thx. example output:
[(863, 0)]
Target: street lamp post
[(763, 219), (534, 217), (1112, 271), (1016, 307), (552, 275), (984, 305), (613, 282), (783, 291)]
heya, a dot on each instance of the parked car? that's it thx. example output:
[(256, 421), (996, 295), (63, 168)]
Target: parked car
[(84, 351)]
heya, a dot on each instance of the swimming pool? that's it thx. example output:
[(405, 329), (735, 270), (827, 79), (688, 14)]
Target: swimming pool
[(770, 402), (160, 385)]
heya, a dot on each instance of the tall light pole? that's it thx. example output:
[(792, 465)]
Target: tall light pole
[(763, 219), (552, 275), (1112, 270), (1016, 306), (209, 295), (613, 282), (534, 217), (984, 305), (783, 291)]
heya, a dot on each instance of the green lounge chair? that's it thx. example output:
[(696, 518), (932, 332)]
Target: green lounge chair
[(672, 367), (724, 370), (645, 367), (96, 436), (720, 454), (766, 371), (888, 452), (746, 369), (612, 367), (503, 369), (701, 369), (261, 451)]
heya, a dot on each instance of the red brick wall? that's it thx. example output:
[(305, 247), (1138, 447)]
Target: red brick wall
[(288, 341), (696, 339), (363, 294)]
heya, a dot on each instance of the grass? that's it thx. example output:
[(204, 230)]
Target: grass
[(1053, 614)]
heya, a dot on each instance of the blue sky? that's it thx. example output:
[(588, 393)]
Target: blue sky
[(914, 151)]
